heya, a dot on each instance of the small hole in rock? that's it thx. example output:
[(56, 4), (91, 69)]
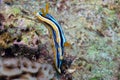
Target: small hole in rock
[(45, 68), (25, 64), (33, 66)]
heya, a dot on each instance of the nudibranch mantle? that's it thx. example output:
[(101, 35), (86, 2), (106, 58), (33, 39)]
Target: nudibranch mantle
[(58, 37)]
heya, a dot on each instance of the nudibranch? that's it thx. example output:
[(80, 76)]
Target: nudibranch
[(57, 35)]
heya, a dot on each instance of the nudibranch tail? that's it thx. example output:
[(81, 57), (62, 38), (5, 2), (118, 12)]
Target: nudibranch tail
[(57, 35)]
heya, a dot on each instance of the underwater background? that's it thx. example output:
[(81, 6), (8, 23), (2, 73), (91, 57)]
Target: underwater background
[(92, 27)]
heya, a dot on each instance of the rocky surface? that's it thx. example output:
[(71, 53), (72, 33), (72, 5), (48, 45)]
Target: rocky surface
[(91, 26)]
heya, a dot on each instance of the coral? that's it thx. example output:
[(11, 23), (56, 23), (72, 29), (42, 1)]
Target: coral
[(46, 72), (28, 66), (10, 67), (14, 68)]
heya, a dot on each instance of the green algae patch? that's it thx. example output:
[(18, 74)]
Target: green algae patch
[(16, 10), (95, 78)]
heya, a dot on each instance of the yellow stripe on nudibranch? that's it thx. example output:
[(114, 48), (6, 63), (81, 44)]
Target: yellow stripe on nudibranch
[(50, 23)]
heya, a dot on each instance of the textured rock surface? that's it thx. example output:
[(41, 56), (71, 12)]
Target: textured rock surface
[(91, 26), (23, 68)]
